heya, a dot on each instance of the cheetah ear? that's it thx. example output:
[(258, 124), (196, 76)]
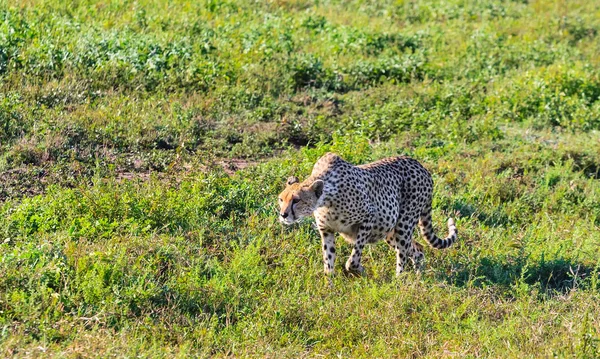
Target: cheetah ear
[(317, 188), (292, 180)]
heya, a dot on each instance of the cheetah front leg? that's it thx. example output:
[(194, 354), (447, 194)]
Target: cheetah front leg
[(353, 263), (328, 241)]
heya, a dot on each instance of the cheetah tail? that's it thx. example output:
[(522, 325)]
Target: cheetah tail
[(429, 234)]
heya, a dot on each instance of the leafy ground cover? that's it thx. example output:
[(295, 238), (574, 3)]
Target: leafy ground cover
[(143, 143)]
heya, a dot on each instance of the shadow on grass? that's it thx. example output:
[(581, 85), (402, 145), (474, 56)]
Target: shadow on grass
[(552, 277), (494, 219)]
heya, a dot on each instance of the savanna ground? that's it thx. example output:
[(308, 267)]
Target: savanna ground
[(143, 143)]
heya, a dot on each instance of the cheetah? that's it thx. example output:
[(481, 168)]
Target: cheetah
[(365, 204)]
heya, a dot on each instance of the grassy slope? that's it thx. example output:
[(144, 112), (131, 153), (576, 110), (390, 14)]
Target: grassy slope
[(121, 232)]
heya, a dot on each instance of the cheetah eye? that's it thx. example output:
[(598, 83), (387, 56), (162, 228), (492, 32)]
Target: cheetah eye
[(295, 200)]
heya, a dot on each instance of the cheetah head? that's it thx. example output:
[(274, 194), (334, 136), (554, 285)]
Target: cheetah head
[(298, 200)]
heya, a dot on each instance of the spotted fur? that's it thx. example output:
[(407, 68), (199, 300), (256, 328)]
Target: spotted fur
[(367, 203)]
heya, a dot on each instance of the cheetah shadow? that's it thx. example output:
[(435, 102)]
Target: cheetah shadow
[(551, 277)]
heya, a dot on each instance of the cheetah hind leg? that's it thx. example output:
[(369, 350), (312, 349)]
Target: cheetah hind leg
[(415, 253)]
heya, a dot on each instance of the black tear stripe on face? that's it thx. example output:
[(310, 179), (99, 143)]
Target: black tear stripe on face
[(293, 213)]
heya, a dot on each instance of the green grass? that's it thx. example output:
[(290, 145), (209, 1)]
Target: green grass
[(143, 144)]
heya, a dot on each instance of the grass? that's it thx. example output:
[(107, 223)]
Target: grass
[(143, 143)]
